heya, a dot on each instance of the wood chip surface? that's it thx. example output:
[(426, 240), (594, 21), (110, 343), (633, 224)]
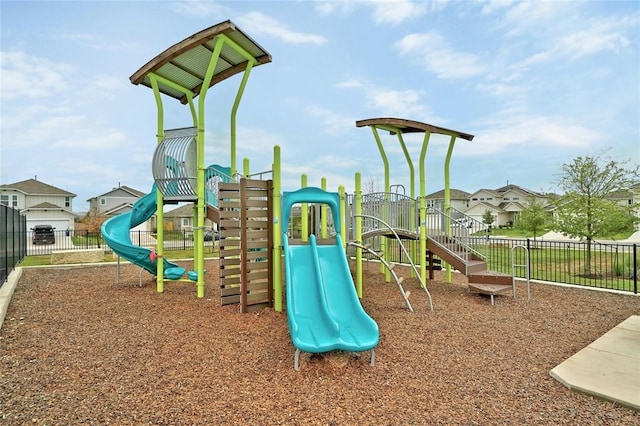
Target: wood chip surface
[(77, 348)]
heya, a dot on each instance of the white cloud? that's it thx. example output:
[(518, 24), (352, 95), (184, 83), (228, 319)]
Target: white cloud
[(29, 76), (397, 11), (201, 9), (340, 7), (258, 23), (434, 53), (332, 122), (508, 132)]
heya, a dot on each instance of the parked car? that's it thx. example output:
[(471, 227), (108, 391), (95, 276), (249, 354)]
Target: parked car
[(43, 234), (211, 235)]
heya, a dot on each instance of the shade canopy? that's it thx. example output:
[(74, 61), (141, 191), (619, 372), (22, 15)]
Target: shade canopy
[(395, 125), (186, 63)]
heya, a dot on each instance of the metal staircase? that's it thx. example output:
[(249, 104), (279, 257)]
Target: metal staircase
[(452, 236)]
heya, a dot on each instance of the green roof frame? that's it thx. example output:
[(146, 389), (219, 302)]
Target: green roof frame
[(186, 63)]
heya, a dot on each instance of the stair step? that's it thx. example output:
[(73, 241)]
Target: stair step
[(490, 277), (490, 289)]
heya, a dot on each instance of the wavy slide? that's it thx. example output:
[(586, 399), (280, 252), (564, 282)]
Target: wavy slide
[(116, 233), (323, 309)]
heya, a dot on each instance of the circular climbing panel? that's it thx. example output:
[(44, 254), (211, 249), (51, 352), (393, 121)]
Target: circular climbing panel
[(174, 165)]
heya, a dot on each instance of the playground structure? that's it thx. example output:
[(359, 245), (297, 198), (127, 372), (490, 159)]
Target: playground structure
[(253, 215)]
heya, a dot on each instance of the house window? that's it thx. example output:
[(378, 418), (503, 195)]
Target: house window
[(186, 222), (516, 198), (103, 201), (474, 199), (489, 198), (67, 202), (506, 198), (4, 200), (14, 201)]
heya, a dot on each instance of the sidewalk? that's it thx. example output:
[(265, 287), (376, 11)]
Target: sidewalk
[(557, 236), (608, 368)]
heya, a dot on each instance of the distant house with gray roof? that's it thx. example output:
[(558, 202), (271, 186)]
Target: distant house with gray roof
[(114, 202)]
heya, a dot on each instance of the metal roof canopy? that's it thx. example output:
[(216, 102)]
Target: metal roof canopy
[(410, 126), (186, 63)]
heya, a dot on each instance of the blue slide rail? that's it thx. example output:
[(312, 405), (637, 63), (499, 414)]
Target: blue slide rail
[(323, 309), (116, 233)]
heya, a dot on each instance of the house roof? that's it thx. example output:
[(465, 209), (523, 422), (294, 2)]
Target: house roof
[(182, 211), (455, 194), (45, 206), (133, 192), (510, 187), (118, 209), (36, 187)]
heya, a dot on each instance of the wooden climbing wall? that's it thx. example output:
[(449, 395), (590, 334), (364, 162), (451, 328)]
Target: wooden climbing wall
[(246, 243)]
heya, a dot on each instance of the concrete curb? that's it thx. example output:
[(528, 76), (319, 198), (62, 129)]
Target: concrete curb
[(6, 291)]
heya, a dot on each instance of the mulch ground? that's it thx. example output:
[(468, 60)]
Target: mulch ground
[(77, 348)]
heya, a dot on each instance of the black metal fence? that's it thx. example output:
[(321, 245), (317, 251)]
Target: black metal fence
[(612, 266), (13, 240), (82, 240)]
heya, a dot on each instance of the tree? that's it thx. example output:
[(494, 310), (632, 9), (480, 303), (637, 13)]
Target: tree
[(371, 186), (588, 207), (534, 216), (488, 218)]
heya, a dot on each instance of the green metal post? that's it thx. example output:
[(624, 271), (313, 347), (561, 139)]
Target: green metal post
[(423, 209), (323, 212), (198, 233), (387, 186), (358, 232), (277, 232), (245, 168), (412, 194), (304, 213), (159, 196), (343, 212), (447, 198), (234, 112)]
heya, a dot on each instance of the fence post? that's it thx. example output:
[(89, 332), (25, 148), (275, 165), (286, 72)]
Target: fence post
[(635, 268)]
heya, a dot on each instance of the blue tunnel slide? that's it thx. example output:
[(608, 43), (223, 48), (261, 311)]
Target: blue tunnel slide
[(116, 233)]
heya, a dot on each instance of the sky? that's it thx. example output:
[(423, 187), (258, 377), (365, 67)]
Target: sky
[(538, 83)]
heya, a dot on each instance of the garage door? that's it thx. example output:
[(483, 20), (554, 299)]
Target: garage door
[(60, 225)]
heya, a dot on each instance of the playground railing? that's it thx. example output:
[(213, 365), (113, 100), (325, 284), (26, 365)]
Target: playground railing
[(85, 240)]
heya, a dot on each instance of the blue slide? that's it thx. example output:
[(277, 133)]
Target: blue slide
[(323, 309), (116, 233)]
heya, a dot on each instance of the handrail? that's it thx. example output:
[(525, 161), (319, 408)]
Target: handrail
[(405, 294), (404, 250)]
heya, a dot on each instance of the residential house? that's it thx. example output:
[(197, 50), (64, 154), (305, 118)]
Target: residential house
[(505, 203), (181, 219), (459, 200), (630, 198), (114, 202), (117, 201), (41, 203)]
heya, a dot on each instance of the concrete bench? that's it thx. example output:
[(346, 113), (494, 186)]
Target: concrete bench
[(61, 257)]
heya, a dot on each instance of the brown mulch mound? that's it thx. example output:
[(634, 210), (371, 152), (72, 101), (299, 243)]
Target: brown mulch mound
[(77, 348)]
